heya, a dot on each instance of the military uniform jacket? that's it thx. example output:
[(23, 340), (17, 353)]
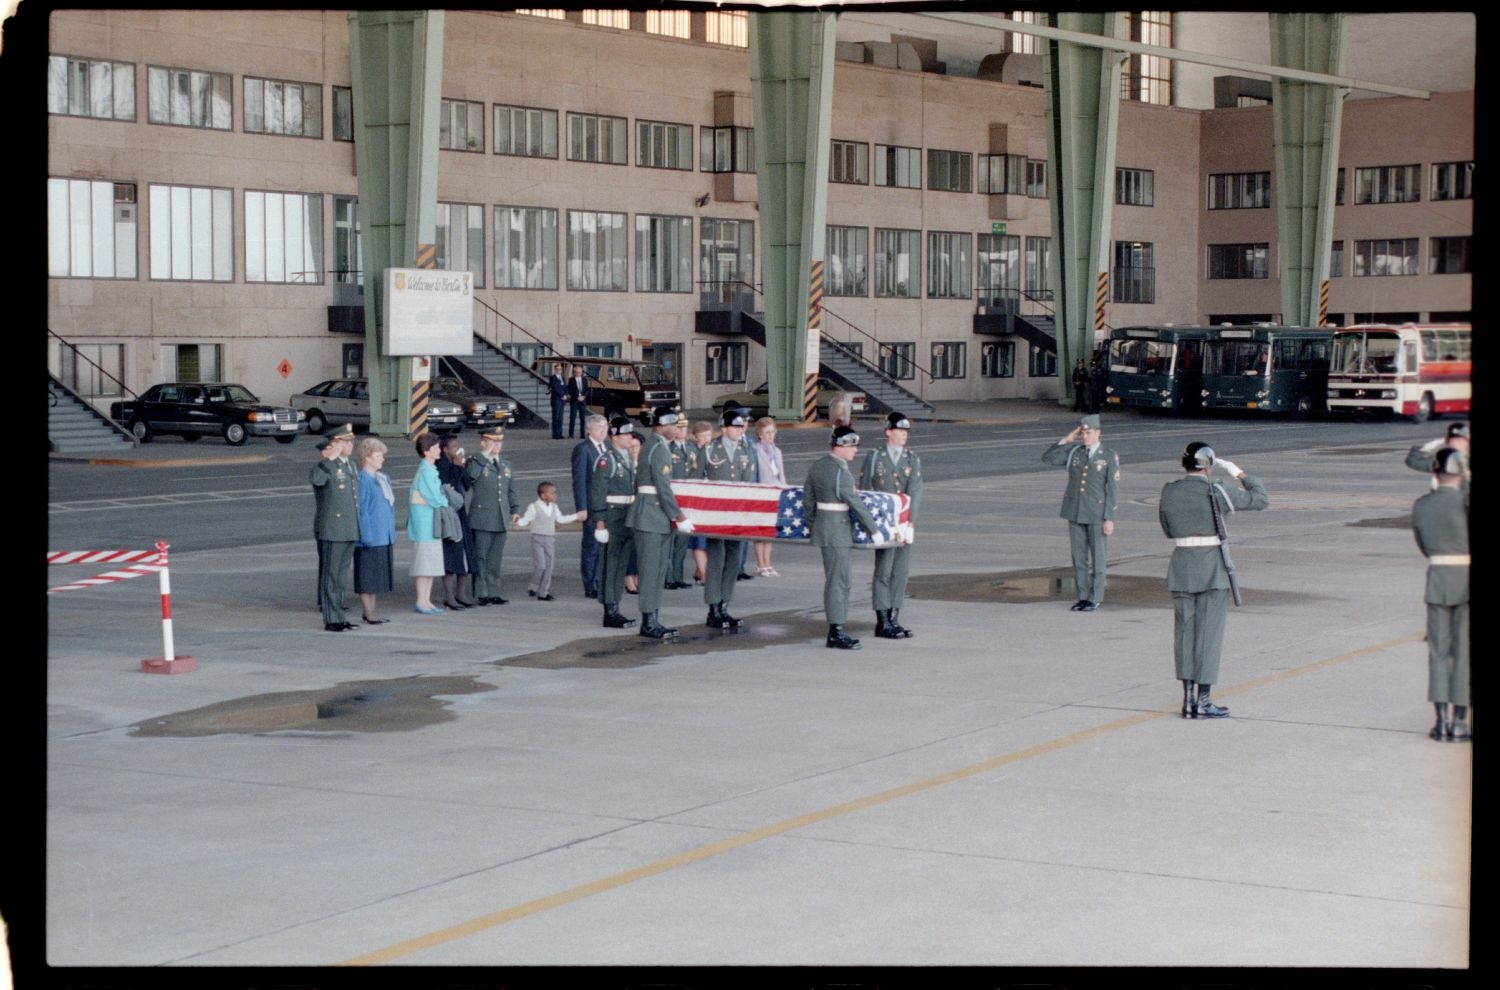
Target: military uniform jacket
[(614, 474), (685, 461), (902, 476), (720, 465), (1440, 522), (1185, 511), (1419, 458), (653, 511), (337, 517), (1093, 491), (829, 481), (494, 500)]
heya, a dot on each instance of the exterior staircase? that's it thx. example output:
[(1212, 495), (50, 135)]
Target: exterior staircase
[(74, 426), (489, 369), (1037, 328)]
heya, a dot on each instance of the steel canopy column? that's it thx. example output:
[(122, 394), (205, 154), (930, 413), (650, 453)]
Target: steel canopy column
[(1306, 118), (791, 76), (396, 58), (1083, 112)]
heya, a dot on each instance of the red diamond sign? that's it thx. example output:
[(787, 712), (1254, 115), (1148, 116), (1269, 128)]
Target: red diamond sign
[(284, 368)]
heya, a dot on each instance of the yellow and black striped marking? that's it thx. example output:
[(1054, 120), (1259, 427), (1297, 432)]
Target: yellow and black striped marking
[(1323, 304), (418, 420), (426, 255), (814, 322), (1101, 296)]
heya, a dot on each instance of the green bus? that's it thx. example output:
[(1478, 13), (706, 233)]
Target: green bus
[(1267, 368), (1156, 367)]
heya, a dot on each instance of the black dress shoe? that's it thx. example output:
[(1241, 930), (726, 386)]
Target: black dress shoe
[(1078, 605), (497, 600), (530, 593), (545, 598), (590, 593), (374, 622), (1089, 607), (455, 606), (744, 577), (471, 603), (349, 625), (335, 626)]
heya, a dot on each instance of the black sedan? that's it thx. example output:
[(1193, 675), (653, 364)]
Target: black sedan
[(480, 408), (193, 410)]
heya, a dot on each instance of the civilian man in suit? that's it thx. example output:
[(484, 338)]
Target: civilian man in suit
[(557, 388), (579, 394), (585, 454), (336, 524), (1440, 522)]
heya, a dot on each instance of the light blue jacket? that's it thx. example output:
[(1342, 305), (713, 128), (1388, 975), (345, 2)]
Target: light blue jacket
[(419, 519), (377, 517)]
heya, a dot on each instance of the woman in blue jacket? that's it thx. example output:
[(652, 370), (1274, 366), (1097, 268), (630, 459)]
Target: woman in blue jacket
[(427, 549), (374, 554)]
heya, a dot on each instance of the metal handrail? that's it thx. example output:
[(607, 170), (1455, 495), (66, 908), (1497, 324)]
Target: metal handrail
[(882, 346), (74, 348), (514, 326)]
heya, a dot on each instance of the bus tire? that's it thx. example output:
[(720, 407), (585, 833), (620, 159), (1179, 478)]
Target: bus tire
[(1424, 409)]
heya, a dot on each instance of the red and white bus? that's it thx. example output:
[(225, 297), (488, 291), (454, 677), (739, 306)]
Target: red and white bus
[(1415, 369)]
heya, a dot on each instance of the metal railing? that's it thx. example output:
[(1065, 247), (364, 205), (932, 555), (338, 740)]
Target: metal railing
[(897, 358), (546, 347), (76, 354)]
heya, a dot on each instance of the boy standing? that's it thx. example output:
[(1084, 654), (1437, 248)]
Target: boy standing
[(546, 515)]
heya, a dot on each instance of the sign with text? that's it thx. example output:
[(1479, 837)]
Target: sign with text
[(428, 311), (997, 228)]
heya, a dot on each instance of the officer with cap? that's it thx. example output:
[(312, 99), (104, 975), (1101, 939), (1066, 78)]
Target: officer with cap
[(335, 524), (828, 496), (611, 493), (1440, 522), (684, 465), (651, 516), (728, 458), (1088, 504), (1192, 511), (892, 468), (1419, 458), (492, 511)]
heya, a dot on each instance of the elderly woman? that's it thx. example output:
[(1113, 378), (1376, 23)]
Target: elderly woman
[(374, 554), (772, 471), (427, 549)]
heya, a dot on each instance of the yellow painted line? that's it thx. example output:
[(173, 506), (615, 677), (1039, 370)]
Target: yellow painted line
[(172, 462), (573, 894)]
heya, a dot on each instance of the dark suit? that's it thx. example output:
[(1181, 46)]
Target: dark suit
[(584, 456), (557, 387), (578, 403)]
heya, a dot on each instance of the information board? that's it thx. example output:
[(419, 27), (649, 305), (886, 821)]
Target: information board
[(428, 311)]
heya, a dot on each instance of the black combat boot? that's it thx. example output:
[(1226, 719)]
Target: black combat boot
[(882, 627), (730, 622), (1458, 729), (715, 616), (838, 641), (650, 627), (613, 619), (1205, 707), (1189, 699), (1440, 727), (893, 616)]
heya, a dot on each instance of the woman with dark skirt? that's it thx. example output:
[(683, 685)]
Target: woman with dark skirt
[(458, 577), (374, 557)]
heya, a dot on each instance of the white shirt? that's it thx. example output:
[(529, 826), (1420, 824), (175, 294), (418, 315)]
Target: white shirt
[(546, 516)]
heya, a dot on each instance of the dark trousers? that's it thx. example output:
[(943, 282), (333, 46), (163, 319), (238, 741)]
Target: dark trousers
[(577, 411), (557, 417), (588, 559), (336, 558)]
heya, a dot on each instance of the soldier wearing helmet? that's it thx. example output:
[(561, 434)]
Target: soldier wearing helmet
[(1440, 522)]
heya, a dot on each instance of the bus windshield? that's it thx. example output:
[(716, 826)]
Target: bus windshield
[(1366, 354), (1235, 357), (1140, 357)]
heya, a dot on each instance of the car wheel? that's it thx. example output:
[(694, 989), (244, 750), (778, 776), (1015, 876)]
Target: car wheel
[(234, 434), (286, 439), (192, 437), (1424, 409), (141, 431), (315, 421)]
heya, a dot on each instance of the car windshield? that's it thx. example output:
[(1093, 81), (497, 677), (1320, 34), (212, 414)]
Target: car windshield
[(653, 374), (229, 393)]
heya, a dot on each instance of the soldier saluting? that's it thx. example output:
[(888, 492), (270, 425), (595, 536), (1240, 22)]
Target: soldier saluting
[(492, 511), (1440, 522), (892, 468), (1088, 504), (828, 495)]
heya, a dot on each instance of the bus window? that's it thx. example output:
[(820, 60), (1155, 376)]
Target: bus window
[(1284, 357), (1447, 341), (1125, 356), (1314, 355), (1156, 357), (1410, 351), (1233, 357), (1429, 345), (1380, 355), (1348, 350)]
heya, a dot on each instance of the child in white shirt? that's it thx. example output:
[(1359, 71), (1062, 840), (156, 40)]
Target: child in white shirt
[(546, 515)]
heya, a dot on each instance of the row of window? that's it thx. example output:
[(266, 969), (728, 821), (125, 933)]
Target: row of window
[(726, 364), (1388, 256), (1379, 184), (720, 27)]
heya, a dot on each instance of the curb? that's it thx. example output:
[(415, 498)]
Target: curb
[(161, 462)]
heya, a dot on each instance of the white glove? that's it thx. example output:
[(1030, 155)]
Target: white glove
[(908, 533), (878, 538), (1230, 466), (1431, 446), (601, 535), (686, 526)]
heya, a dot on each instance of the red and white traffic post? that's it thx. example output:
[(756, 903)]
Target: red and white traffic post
[(168, 662)]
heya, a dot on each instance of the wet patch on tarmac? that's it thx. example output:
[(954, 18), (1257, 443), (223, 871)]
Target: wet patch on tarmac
[(1389, 522), (353, 706), (1056, 585), (1348, 451), (620, 649)]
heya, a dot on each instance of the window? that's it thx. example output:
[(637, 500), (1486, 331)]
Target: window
[(460, 239), (849, 161), (461, 125), (1036, 178), (1386, 257), (663, 253), (525, 131), (660, 145), (672, 23), (188, 98), (348, 251), (596, 251), (83, 87), (608, 18), (1388, 184), (1002, 174), (898, 166), (998, 360), (192, 233), (1336, 260), (91, 229), (525, 247), (343, 113), (999, 268), (593, 138), (1039, 267), (283, 237), (190, 363), (1338, 189), (1135, 278), (948, 359), (947, 265), (1043, 364), (847, 270), (1149, 77), (950, 171), (726, 363), (897, 361), (1239, 191), (1453, 180), (726, 258), (1023, 44), (1135, 187), (551, 13), (726, 149), (1449, 256), (896, 260), (93, 370), (1239, 260), (727, 27), (273, 106)]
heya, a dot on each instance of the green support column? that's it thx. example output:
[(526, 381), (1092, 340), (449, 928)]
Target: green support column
[(1083, 112), (1307, 118), (791, 76), (397, 62)]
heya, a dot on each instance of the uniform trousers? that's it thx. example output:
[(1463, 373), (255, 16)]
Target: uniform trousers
[(652, 551), (1198, 633), (543, 554), (1090, 549), (335, 558), (1448, 653), (616, 559), (679, 557), (888, 590), (836, 584), (489, 553), (723, 571), (589, 560)]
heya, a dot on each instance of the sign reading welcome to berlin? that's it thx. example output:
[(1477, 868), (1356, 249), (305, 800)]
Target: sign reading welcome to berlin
[(428, 311)]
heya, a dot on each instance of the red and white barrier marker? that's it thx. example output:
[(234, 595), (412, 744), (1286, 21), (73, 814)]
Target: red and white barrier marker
[(167, 663)]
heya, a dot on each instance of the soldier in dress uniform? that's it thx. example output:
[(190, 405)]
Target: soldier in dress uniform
[(1440, 521), (1088, 504), (1419, 458), (728, 458), (1191, 511), (892, 468), (684, 465), (651, 516), (336, 524), (492, 512), (828, 495), (611, 493)]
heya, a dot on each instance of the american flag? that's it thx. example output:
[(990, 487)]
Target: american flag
[(765, 512)]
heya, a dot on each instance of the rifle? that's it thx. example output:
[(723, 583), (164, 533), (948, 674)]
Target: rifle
[(1234, 586)]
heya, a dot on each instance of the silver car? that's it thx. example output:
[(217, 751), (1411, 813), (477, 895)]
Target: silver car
[(347, 400)]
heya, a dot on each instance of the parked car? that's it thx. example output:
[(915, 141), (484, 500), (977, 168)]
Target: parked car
[(193, 410), (479, 408), (620, 387), (759, 403), (347, 400)]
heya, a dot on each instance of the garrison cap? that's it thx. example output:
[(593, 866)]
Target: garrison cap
[(1447, 461), (620, 425), (844, 436), (1089, 422), (897, 421), (734, 416), (1459, 430)]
